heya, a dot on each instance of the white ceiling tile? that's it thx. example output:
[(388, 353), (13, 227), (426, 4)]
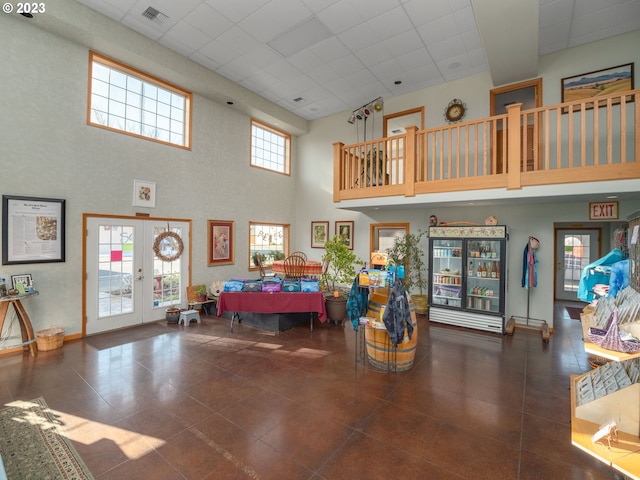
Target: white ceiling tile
[(438, 30), (274, 18), (282, 70), (330, 50), (324, 74), (390, 23), (372, 8), (317, 6), (218, 52), (207, 20), (386, 69), (236, 11), (374, 55), (465, 20), (592, 22), (145, 28), (188, 35), (358, 37), (409, 60), (404, 43), (107, 9), (347, 65), (260, 58), (340, 16), (447, 48), (176, 45), (237, 40), (305, 60), (421, 11)]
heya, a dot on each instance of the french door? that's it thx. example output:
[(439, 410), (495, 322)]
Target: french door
[(126, 283), (575, 249)]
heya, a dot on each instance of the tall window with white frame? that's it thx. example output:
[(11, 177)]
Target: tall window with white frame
[(270, 148), (129, 101)]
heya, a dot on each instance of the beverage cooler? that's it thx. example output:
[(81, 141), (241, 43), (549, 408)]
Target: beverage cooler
[(467, 276)]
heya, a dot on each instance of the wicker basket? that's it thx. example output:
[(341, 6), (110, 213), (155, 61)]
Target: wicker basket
[(50, 338)]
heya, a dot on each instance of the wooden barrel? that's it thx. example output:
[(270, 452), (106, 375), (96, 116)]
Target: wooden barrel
[(380, 351)]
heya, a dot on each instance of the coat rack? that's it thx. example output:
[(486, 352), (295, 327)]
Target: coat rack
[(529, 281)]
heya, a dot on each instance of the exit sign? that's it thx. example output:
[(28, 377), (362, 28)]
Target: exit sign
[(603, 210)]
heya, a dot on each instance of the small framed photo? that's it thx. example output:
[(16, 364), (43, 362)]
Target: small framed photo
[(319, 234), (144, 194), (22, 283), (33, 230), (345, 231), (221, 242)]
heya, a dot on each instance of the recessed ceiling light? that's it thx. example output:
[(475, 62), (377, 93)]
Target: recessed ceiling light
[(229, 102), (611, 197), (397, 82)]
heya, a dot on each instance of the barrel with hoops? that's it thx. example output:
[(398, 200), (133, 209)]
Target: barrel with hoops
[(380, 351)]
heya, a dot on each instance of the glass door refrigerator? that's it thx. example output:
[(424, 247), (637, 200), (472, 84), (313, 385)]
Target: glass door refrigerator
[(467, 276)]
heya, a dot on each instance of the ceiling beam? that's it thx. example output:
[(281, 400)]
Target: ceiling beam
[(509, 33)]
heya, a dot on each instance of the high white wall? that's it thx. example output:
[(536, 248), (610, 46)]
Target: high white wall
[(48, 150)]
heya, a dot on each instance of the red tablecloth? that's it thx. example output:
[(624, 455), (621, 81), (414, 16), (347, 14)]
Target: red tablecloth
[(277, 302), (312, 268)]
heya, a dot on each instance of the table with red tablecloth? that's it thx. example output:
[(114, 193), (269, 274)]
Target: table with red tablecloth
[(272, 302), (312, 268)]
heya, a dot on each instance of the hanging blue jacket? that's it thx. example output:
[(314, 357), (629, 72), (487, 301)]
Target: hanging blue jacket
[(597, 272), (357, 303), (397, 315)]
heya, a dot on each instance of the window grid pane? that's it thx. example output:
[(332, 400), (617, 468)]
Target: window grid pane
[(122, 101), (269, 149)]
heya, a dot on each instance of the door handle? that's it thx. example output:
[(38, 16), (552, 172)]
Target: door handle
[(140, 276)]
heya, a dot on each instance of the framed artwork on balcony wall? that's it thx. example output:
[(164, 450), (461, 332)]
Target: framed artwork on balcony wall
[(344, 230), (319, 234), (597, 83)]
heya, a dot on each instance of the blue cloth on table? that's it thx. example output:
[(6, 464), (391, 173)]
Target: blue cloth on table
[(619, 277), (597, 272)]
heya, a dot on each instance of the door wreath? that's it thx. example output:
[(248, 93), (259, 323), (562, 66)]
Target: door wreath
[(168, 246)]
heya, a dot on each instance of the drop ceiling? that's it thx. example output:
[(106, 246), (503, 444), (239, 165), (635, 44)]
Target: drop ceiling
[(320, 57)]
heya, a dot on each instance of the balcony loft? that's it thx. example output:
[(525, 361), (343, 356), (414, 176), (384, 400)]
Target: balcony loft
[(557, 151)]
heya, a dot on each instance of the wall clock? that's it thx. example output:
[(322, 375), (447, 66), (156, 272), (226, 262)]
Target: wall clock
[(455, 111)]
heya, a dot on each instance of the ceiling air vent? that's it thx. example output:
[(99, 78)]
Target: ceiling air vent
[(155, 16)]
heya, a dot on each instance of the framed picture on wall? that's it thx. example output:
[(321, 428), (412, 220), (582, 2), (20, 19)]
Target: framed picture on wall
[(33, 230), (221, 242), (144, 194), (344, 230), (597, 83), (319, 234)]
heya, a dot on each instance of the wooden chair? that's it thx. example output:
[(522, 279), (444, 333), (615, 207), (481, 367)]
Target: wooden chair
[(194, 302), (301, 254), (257, 261), (294, 266)]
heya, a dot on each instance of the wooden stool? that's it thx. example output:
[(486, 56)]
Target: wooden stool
[(187, 316)]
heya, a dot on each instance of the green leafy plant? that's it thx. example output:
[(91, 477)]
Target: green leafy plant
[(202, 290), (406, 251), (342, 263)]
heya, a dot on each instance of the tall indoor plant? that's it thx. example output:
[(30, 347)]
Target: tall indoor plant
[(341, 271), (406, 251)]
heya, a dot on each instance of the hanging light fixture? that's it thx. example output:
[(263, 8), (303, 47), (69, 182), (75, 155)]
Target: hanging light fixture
[(361, 113)]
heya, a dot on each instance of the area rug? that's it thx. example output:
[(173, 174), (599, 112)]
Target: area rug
[(33, 444), (574, 312)]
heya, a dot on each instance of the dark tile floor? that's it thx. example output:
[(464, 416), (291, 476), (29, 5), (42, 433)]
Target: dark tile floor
[(168, 402)]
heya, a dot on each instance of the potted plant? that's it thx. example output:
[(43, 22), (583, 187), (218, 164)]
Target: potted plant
[(202, 292), (341, 272), (406, 251)]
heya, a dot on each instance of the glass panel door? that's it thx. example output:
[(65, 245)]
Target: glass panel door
[(446, 281), (575, 249), (483, 275)]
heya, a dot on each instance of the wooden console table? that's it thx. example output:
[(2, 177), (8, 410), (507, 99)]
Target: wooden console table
[(28, 337)]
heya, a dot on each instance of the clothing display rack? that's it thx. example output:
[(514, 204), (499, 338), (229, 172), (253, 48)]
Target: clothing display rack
[(529, 281)]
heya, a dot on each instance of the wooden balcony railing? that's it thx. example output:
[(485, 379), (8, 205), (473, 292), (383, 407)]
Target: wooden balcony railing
[(582, 141)]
